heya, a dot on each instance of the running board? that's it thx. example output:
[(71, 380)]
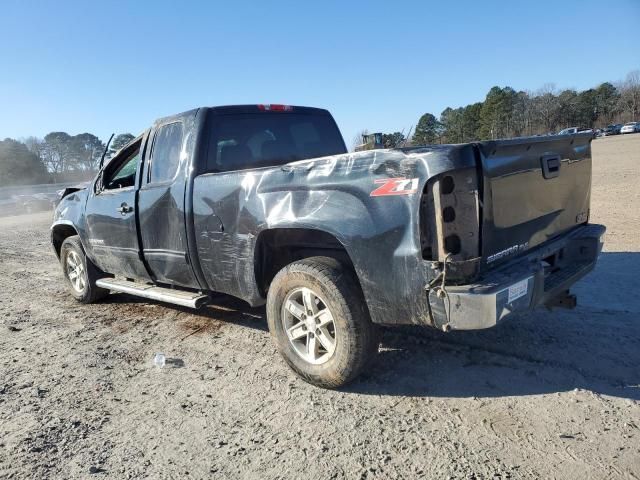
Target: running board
[(169, 295)]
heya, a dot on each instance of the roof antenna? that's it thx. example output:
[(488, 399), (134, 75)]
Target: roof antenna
[(106, 147)]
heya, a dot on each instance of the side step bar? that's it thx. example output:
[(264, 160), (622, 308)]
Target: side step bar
[(169, 295)]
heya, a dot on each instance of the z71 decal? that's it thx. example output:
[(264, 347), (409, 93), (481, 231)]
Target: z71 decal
[(395, 186)]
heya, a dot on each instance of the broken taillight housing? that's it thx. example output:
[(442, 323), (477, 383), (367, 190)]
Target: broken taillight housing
[(450, 216)]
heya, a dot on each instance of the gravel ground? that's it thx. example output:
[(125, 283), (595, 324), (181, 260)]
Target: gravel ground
[(547, 395)]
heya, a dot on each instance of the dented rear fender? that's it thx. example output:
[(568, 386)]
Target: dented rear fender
[(369, 201)]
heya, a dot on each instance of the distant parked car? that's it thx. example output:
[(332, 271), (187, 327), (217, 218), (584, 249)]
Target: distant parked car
[(631, 127), (574, 130), (611, 130)]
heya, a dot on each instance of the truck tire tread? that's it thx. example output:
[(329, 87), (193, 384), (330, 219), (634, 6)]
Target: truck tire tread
[(92, 292), (346, 298)]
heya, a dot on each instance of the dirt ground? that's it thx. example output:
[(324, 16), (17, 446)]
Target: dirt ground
[(547, 395)]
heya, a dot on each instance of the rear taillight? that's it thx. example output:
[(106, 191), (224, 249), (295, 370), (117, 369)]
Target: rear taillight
[(274, 107)]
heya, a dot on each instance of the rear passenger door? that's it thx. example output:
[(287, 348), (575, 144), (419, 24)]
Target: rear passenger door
[(161, 205)]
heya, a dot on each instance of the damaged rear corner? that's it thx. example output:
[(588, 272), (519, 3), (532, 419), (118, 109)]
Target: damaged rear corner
[(450, 214)]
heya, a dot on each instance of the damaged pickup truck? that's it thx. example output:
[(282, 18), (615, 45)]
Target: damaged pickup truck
[(264, 203)]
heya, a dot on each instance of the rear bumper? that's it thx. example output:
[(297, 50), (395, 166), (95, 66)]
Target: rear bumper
[(525, 283)]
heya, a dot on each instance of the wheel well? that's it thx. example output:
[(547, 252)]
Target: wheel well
[(59, 234), (277, 248)]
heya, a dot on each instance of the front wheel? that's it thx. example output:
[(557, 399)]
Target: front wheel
[(320, 323), (79, 272)]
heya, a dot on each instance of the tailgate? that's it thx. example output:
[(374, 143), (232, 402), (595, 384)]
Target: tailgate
[(534, 189)]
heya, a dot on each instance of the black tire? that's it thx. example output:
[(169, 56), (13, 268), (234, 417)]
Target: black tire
[(356, 337), (72, 252)]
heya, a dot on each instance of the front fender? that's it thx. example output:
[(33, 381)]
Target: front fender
[(69, 214)]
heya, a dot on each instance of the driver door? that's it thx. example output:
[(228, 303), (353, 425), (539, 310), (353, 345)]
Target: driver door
[(110, 216)]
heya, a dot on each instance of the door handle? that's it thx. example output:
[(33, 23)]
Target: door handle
[(124, 209)]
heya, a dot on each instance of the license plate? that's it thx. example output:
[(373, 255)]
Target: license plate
[(518, 290)]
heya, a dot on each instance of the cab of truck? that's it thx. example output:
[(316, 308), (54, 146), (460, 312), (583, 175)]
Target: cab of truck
[(137, 211)]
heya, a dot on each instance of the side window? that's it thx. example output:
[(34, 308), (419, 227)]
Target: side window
[(123, 173), (165, 155)]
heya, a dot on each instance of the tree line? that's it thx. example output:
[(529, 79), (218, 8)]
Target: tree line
[(58, 157), (506, 113)]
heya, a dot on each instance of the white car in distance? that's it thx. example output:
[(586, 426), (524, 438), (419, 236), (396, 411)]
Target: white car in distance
[(631, 127)]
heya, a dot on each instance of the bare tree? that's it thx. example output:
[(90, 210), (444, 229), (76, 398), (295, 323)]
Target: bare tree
[(521, 115), (629, 101), (547, 107), (35, 145)]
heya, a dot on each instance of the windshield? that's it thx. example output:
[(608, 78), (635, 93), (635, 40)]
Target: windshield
[(253, 140)]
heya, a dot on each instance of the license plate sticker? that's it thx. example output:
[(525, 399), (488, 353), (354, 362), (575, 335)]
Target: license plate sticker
[(518, 290)]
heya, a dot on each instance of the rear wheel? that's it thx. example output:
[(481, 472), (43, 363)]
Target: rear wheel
[(320, 323), (79, 272)]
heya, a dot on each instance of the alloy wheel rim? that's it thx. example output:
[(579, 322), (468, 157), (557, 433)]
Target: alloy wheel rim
[(76, 272), (309, 325)]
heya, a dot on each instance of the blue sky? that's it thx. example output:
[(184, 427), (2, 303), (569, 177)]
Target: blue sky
[(101, 67)]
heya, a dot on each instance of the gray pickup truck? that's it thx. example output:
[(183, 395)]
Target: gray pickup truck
[(264, 203)]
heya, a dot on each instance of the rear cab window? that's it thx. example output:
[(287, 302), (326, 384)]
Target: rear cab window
[(244, 137)]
